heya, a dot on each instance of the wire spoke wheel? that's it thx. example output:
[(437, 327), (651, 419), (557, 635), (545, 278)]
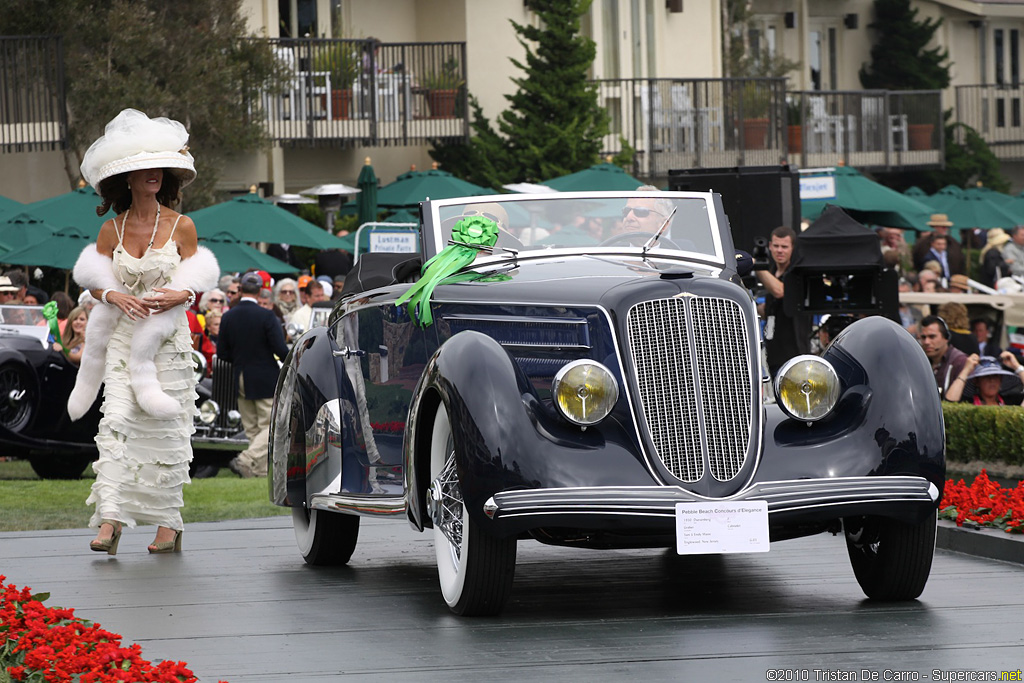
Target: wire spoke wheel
[(475, 570), (16, 398)]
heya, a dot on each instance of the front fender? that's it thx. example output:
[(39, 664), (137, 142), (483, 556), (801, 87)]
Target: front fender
[(505, 437), (307, 383), (888, 420)]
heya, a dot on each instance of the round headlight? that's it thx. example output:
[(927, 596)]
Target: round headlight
[(234, 418), (807, 388), (584, 392), (208, 412)]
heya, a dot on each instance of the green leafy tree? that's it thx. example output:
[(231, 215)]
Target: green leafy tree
[(900, 57), (189, 60), (554, 124)]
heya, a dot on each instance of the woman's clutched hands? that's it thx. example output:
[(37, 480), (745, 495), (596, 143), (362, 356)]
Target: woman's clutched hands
[(166, 299), (131, 306)]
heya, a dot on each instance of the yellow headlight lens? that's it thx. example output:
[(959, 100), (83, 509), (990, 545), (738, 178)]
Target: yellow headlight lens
[(584, 392), (807, 388)]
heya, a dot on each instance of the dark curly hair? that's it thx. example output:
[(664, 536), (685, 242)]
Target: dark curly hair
[(115, 192)]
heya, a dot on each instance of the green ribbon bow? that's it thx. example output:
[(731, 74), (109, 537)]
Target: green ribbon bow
[(50, 313), (470, 235)]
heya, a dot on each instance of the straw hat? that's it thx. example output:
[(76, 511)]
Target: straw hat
[(959, 283), (997, 237), (940, 220), (132, 142)]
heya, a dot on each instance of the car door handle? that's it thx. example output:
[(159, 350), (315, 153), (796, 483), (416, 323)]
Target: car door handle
[(348, 353)]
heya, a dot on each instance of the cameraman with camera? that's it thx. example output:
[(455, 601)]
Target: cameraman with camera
[(784, 336)]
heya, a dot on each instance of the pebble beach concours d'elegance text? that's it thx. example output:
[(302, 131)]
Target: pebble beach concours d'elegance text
[(890, 675)]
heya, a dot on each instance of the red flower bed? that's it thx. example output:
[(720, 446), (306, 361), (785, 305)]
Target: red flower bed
[(42, 644), (984, 504)]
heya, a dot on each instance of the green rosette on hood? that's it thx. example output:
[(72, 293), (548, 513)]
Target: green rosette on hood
[(470, 234)]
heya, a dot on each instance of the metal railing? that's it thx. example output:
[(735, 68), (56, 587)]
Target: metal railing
[(359, 91), (995, 112), (32, 112), (695, 122), (871, 129), (712, 123)]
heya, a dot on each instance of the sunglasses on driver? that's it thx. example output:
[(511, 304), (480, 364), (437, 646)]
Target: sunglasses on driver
[(639, 211)]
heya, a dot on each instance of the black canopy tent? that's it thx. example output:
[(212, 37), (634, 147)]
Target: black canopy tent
[(838, 269)]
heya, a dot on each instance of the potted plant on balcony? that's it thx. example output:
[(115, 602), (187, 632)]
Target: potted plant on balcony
[(441, 88), (341, 61), (755, 102)]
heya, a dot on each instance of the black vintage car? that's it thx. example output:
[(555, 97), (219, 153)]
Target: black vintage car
[(596, 379), (35, 382)]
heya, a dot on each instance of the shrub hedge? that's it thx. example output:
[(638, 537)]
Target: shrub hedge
[(986, 433)]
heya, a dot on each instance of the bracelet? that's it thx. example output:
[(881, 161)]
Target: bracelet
[(1019, 368), (103, 296), (961, 379), (191, 297)]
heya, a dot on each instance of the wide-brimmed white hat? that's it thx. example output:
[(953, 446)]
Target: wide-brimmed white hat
[(132, 142)]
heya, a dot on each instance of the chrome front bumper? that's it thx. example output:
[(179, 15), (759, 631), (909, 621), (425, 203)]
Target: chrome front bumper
[(800, 498)]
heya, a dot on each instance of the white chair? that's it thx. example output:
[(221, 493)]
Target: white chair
[(287, 104), (874, 126), (826, 130)]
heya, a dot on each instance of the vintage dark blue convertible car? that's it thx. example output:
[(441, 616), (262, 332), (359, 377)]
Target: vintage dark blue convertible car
[(596, 379)]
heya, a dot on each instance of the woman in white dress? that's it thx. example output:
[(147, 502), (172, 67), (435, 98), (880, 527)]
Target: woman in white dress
[(145, 268)]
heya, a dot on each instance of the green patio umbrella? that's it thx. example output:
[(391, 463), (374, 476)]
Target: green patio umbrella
[(402, 216), (870, 202), (77, 208), (367, 200), (250, 218), (236, 257), (994, 196), (969, 211), (412, 187), (916, 192), (57, 250), (945, 197), (596, 178), (8, 206), (21, 230)]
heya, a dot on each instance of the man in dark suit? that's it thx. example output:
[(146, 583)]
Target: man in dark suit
[(250, 337)]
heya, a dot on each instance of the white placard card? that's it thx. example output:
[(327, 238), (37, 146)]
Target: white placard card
[(722, 527)]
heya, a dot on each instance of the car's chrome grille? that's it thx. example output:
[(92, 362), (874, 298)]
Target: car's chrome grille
[(691, 362), (723, 365)]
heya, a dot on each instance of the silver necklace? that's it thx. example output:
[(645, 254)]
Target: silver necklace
[(152, 238)]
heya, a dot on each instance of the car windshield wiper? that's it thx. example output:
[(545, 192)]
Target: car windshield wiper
[(656, 236)]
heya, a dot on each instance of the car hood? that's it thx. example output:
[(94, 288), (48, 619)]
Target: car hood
[(582, 280)]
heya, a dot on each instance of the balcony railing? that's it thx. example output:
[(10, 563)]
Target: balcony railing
[(995, 112), (709, 123), (868, 129), (356, 91), (696, 122), (32, 112)]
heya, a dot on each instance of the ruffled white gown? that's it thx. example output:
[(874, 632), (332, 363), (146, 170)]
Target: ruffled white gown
[(143, 461)]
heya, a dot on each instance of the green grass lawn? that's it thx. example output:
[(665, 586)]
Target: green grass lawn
[(28, 503)]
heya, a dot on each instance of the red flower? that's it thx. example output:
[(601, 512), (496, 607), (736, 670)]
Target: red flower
[(54, 646)]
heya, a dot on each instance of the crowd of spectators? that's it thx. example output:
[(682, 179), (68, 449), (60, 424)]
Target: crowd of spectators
[(968, 363)]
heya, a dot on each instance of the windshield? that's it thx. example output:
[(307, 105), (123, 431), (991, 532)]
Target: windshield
[(24, 320), (590, 222)]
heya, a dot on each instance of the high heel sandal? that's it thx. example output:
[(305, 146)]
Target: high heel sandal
[(107, 545), (173, 546)]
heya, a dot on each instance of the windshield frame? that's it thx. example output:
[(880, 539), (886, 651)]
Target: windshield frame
[(432, 227)]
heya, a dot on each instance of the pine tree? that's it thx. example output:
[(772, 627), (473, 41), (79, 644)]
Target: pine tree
[(900, 57), (554, 124)]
